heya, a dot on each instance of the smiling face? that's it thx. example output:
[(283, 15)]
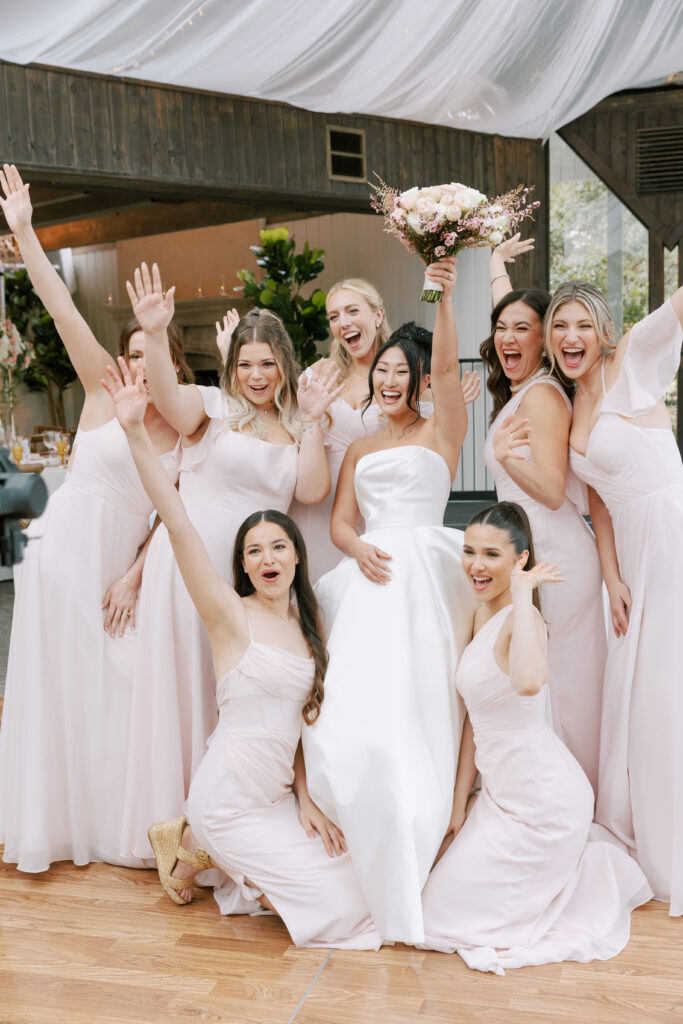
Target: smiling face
[(136, 355), (257, 373), (518, 340), (270, 559), (391, 381), (353, 322), (574, 340), (488, 558)]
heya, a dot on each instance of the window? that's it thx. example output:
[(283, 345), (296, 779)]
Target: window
[(345, 154)]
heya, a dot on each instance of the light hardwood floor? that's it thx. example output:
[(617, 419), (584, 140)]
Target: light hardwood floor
[(104, 945)]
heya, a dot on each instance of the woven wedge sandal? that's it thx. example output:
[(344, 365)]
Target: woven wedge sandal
[(165, 838)]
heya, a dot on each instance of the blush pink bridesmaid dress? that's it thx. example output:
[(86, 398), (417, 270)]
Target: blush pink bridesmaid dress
[(65, 721), (637, 472), (523, 883), (225, 477), (243, 811), (574, 611)]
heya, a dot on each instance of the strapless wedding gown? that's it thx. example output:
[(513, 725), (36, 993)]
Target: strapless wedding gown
[(381, 758)]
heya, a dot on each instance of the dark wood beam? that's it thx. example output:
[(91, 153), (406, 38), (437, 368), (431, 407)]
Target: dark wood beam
[(655, 275)]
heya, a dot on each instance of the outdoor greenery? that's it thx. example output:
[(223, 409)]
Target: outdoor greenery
[(286, 272), (51, 369)]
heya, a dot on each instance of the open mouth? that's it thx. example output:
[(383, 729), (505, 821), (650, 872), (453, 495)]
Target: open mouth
[(480, 582), (573, 357), (352, 339), (390, 397), (270, 575), (511, 358), (258, 389)]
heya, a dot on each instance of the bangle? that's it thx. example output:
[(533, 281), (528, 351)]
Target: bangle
[(124, 579), (499, 275)]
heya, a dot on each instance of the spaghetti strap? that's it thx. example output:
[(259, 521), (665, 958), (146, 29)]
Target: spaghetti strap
[(602, 374)]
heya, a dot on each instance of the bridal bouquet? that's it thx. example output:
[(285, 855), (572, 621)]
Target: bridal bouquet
[(440, 220)]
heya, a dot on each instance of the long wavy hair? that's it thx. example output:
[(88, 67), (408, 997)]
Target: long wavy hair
[(597, 308), (510, 517), (175, 344), (264, 326), (373, 298), (497, 383), (416, 344), (307, 606)]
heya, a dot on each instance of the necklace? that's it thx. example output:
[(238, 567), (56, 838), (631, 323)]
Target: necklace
[(541, 372)]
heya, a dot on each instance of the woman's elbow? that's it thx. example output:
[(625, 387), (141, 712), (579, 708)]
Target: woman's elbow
[(312, 494)]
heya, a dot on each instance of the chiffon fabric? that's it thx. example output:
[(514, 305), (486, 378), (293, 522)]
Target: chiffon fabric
[(573, 610), (637, 472), (225, 477), (344, 425), (522, 883), (381, 758), (243, 811), (64, 735)]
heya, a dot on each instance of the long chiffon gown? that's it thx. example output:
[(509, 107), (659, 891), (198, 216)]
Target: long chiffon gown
[(225, 477), (637, 472), (64, 736), (243, 811), (522, 883), (574, 611), (381, 758), (345, 425)]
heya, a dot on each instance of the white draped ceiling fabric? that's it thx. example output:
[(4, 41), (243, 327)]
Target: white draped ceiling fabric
[(516, 67)]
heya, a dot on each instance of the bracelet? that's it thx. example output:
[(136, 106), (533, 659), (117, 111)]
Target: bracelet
[(500, 275), (125, 580)]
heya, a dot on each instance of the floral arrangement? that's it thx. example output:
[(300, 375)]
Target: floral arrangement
[(440, 220), (15, 354)]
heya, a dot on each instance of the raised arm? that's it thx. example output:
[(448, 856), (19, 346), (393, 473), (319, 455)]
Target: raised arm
[(88, 357), (317, 391), (371, 560), (504, 253), (217, 603), (181, 405), (450, 413), (677, 303), (527, 659)]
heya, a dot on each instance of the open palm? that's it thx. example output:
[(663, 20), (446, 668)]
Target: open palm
[(130, 397), (153, 310)]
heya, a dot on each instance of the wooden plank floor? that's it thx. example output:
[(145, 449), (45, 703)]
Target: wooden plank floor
[(104, 945)]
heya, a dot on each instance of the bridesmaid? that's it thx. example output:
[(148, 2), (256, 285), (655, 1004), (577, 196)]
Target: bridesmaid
[(64, 737), (622, 446), (381, 758), (270, 659), (246, 445), (518, 882), (359, 327), (526, 452)]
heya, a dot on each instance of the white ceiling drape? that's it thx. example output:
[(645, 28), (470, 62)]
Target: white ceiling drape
[(516, 67)]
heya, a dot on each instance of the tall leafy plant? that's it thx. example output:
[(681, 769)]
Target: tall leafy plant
[(51, 369), (286, 272)]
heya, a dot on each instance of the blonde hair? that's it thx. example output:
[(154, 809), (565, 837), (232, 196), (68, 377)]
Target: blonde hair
[(596, 306), (367, 291), (264, 326)]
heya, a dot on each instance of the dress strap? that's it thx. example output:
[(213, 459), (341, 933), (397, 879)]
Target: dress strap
[(251, 632), (602, 374)]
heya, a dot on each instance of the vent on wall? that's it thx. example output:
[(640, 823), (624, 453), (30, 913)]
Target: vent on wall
[(659, 160), (345, 153)]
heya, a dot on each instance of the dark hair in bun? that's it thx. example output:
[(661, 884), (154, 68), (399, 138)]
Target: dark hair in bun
[(416, 344), (510, 517)]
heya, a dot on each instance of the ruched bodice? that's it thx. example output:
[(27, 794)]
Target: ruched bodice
[(347, 424), (406, 486), (103, 466)]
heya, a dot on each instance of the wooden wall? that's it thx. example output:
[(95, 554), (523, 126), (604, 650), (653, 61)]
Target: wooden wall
[(133, 147)]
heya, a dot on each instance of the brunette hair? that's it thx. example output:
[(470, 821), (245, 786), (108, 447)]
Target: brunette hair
[(264, 326), (175, 344), (367, 291), (416, 344), (596, 306), (309, 612), (497, 383), (510, 517)]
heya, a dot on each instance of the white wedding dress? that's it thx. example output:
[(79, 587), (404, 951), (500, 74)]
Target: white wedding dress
[(381, 758)]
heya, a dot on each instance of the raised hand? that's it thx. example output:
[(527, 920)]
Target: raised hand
[(510, 435), (16, 205), (152, 309), (444, 272), (318, 390), (471, 386), (130, 397), (513, 247), (224, 333), (525, 580)]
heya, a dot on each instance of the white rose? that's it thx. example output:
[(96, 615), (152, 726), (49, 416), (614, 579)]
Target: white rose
[(425, 206), (495, 238), (453, 212), (414, 222), (409, 198)]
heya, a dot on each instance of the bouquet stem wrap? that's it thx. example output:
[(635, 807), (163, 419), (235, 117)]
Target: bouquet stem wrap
[(432, 291)]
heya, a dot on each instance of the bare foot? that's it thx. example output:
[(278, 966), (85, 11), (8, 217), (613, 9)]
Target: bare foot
[(183, 870)]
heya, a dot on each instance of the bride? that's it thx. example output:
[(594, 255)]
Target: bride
[(381, 757)]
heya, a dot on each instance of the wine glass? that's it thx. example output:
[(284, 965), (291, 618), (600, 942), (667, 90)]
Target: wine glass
[(62, 443), (17, 449)]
